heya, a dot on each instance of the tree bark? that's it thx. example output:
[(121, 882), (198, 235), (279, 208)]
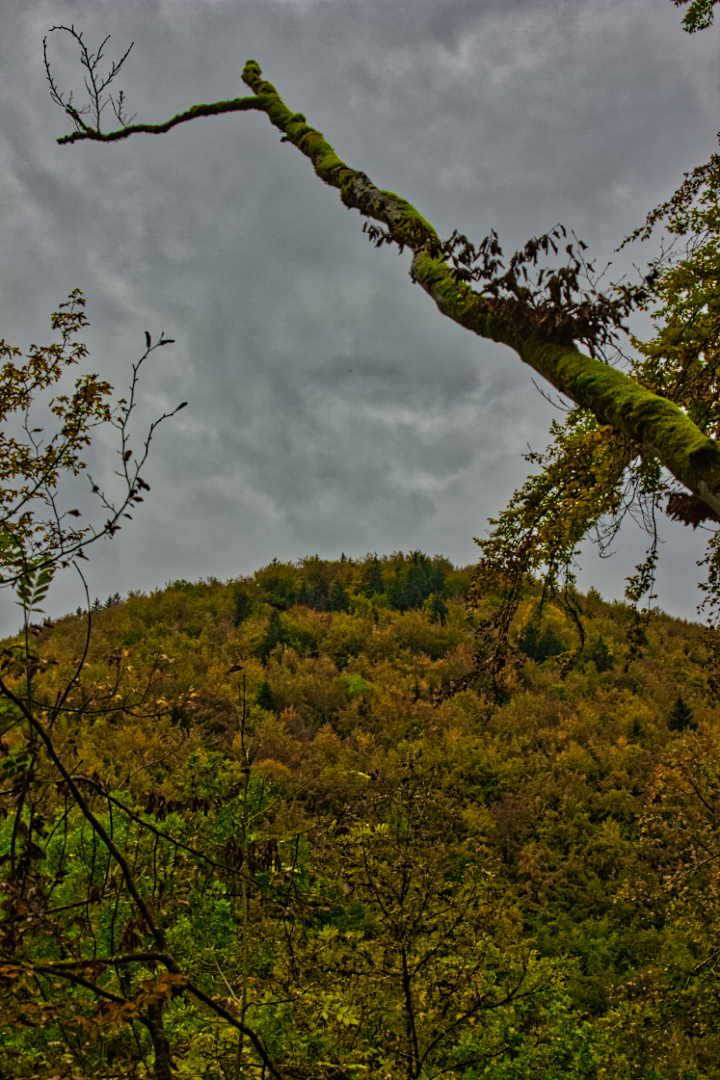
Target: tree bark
[(161, 1046)]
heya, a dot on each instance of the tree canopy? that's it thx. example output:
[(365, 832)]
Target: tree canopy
[(320, 861)]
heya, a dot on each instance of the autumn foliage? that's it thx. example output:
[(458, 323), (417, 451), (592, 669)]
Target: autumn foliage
[(372, 874)]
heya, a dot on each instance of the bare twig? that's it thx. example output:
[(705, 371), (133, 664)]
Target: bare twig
[(94, 84)]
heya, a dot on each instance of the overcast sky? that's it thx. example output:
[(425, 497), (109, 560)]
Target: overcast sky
[(331, 407)]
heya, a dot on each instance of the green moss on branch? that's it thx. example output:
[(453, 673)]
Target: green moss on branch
[(650, 421)]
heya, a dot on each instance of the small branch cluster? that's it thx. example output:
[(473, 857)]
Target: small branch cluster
[(554, 300), (95, 85), (36, 533), (131, 468)]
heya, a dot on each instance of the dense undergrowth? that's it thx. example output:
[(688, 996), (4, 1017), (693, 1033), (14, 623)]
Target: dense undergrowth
[(381, 876)]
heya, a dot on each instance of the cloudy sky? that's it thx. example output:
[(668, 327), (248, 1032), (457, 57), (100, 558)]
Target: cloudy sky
[(331, 408)]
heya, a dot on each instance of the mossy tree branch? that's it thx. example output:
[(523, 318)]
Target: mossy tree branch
[(216, 109), (654, 424)]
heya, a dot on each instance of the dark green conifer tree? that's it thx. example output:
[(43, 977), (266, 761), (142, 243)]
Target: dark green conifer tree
[(275, 636), (314, 594), (415, 580), (397, 593), (264, 696), (372, 577), (681, 716), (243, 605), (600, 653), (537, 647), (339, 599), (436, 608)]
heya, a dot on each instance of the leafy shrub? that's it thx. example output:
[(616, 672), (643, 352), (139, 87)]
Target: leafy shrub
[(355, 683)]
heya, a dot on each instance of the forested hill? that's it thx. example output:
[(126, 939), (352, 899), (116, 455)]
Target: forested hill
[(380, 875)]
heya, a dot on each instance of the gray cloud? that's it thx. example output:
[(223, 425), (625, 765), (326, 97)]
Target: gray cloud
[(331, 407)]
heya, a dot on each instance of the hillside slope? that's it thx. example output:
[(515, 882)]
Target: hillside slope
[(542, 870)]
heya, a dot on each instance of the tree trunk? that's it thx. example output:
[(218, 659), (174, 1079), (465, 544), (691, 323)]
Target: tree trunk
[(161, 1046)]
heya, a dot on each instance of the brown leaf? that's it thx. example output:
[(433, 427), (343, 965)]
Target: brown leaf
[(682, 506)]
